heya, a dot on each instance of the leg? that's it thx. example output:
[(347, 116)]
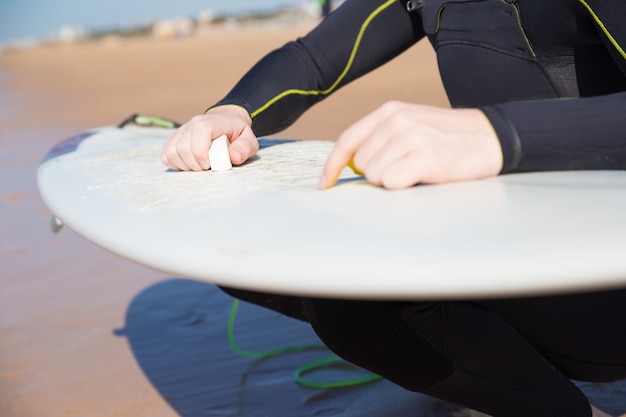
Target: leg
[(466, 353), (284, 304), (456, 351), (583, 335)]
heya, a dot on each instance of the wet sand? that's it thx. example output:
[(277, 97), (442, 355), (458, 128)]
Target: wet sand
[(85, 333)]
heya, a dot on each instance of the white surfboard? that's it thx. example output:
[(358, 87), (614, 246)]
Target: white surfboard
[(265, 225)]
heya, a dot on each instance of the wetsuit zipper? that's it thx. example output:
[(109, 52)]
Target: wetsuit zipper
[(414, 5)]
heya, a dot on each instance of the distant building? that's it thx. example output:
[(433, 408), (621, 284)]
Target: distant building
[(205, 22), (72, 34), (173, 28), (206, 17)]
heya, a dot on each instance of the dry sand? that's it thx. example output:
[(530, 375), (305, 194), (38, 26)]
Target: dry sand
[(84, 333)]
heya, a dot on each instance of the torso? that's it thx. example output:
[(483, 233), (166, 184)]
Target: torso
[(493, 51)]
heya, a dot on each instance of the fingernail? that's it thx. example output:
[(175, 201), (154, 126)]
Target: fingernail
[(238, 156)]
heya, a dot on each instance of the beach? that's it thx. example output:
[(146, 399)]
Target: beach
[(86, 333)]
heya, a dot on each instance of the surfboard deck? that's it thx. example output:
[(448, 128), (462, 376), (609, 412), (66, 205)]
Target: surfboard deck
[(266, 226)]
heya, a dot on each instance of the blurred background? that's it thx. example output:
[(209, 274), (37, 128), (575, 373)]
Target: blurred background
[(32, 21)]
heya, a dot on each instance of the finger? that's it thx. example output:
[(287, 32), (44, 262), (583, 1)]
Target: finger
[(386, 142), (243, 143), (349, 142), (184, 150), (169, 153), (165, 150), (341, 155), (243, 146), (403, 173), (343, 152), (338, 158), (200, 137), (378, 155)]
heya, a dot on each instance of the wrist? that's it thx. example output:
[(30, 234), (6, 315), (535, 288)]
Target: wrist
[(492, 146), (233, 110)]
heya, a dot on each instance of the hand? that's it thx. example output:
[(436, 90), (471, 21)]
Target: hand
[(400, 145), (188, 148)]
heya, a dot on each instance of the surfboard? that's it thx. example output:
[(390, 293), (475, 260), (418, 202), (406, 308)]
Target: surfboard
[(265, 225)]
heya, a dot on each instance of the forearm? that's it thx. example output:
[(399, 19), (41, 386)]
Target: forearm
[(568, 134), (357, 38)]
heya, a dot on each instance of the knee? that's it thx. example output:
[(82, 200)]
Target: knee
[(377, 336), (287, 305)]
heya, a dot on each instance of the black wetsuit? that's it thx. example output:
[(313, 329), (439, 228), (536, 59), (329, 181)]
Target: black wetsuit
[(551, 77)]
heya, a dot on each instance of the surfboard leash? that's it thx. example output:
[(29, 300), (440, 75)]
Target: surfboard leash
[(321, 363), (146, 120)]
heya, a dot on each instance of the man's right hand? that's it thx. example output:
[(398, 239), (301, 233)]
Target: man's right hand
[(188, 148)]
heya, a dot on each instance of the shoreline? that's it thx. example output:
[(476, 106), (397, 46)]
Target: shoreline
[(97, 84)]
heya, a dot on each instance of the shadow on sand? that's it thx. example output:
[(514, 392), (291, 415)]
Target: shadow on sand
[(177, 330)]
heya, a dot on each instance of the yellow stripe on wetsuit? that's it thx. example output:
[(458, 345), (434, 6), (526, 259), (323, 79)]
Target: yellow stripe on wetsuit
[(330, 89), (604, 29)]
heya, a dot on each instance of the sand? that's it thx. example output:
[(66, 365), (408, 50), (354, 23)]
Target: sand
[(63, 301), (85, 333)]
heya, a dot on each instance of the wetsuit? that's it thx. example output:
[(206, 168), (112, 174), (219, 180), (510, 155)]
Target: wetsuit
[(551, 78)]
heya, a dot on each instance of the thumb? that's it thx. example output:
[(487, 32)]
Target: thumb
[(243, 146)]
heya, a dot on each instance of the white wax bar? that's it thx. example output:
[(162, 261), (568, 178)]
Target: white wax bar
[(218, 154)]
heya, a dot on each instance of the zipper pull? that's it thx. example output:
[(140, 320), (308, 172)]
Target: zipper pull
[(414, 5)]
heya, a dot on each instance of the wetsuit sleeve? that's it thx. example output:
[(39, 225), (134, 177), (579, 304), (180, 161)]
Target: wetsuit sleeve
[(566, 134), (356, 38)]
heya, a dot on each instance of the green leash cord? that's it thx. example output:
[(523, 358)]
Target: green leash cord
[(302, 370)]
